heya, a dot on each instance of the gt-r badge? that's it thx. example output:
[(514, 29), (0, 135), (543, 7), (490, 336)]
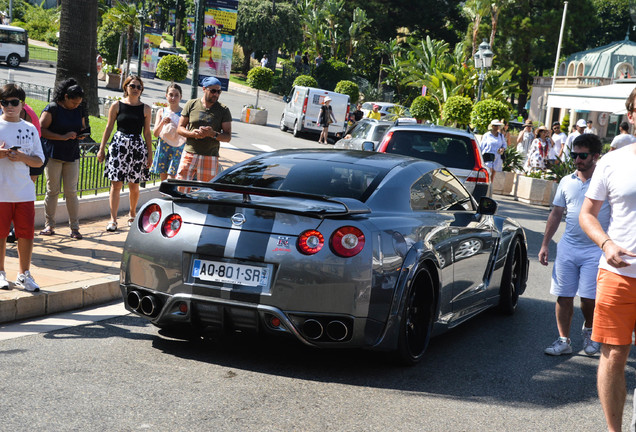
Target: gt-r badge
[(238, 219), (282, 245)]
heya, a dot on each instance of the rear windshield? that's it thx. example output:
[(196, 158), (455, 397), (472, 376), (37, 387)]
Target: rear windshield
[(452, 151), (379, 132), (318, 177)]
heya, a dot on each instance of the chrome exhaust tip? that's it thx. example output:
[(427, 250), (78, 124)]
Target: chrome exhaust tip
[(312, 329), (337, 330), (134, 300), (149, 305)]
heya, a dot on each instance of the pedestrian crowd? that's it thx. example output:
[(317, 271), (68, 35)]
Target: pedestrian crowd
[(188, 148)]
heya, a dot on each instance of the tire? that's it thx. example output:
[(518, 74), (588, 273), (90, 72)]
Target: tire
[(282, 123), (417, 319), (297, 129), (13, 60), (511, 279)]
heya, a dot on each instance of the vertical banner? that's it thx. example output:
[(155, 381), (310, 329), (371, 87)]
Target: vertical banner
[(172, 16), (219, 27), (152, 40)]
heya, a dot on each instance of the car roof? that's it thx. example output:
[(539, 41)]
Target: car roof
[(428, 127), (379, 160)]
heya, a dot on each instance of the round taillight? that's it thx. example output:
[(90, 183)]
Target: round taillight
[(150, 218), (347, 241), (171, 225), (310, 242)]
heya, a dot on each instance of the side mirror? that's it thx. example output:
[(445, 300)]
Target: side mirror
[(285, 99), (487, 206), (368, 146), (488, 157)]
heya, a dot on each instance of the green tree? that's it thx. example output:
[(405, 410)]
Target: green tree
[(172, 68), (259, 29), (349, 88), (486, 111), (425, 108), (456, 111), (260, 78), (123, 17), (612, 21)]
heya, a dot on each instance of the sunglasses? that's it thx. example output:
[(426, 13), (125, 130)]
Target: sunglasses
[(579, 155), (135, 86), (12, 102), (213, 91)]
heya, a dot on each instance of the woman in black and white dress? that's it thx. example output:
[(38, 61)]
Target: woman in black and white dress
[(129, 157)]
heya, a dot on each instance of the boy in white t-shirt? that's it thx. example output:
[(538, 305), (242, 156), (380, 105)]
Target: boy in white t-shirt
[(20, 149)]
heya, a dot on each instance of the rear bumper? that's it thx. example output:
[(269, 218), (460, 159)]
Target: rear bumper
[(310, 328)]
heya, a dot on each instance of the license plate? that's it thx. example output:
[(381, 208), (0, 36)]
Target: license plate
[(231, 273)]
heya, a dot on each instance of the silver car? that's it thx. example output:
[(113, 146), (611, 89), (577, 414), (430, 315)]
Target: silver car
[(366, 130), (335, 248)]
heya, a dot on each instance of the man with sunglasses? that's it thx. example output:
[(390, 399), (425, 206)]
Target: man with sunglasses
[(615, 313), (204, 122), (20, 149), (558, 138), (576, 262)]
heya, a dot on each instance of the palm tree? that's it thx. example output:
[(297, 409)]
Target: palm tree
[(475, 10), (123, 16), (77, 48)]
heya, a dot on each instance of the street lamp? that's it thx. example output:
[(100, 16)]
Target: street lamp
[(142, 17), (483, 61)]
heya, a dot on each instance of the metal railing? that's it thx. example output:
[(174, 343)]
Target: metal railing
[(91, 176), (40, 53)]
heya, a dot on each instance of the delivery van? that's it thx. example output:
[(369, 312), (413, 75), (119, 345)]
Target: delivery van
[(303, 108), (14, 45)]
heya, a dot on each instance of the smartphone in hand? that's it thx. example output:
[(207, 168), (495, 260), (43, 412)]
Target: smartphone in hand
[(15, 148)]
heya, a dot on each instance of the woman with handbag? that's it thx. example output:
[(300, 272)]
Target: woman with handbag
[(170, 144), (61, 123)]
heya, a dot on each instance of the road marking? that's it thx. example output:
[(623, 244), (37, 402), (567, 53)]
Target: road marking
[(62, 320), (264, 147), (228, 146)]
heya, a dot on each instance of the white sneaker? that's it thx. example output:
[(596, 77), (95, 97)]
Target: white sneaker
[(589, 346), (4, 283), (25, 280), (559, 347)]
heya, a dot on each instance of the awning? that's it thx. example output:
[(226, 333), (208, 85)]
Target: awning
[(610, 98)]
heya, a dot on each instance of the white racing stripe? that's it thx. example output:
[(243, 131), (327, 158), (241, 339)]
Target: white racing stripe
[(264, 147)]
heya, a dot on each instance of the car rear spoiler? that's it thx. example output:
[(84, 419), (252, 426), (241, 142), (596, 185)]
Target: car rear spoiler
[(351, 206)]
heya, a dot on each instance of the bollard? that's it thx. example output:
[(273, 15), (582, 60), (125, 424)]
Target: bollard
[(10, 75)]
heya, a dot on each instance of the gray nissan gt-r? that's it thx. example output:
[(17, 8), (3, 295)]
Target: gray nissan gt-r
[(336, 248)]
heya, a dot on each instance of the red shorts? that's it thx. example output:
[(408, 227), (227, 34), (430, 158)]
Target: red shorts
[(22, 214), (615, 311), (203, 167)]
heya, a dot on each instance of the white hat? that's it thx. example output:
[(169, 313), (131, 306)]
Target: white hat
[(328, 99), (581, 123), (496, 122)]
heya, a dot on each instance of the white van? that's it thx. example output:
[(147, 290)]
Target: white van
[(14, 45), (303, 107)]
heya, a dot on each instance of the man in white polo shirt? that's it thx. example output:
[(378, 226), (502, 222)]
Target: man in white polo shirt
[(576, 263)]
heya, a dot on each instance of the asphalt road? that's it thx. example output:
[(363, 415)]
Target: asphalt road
[(487, 375)]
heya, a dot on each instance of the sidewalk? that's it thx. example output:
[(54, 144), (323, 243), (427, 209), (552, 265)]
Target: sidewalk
[(73, 273)]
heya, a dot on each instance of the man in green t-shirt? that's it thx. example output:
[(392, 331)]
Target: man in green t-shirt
[(204, 122)]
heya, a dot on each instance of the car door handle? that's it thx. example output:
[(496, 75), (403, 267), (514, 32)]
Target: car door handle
[(454, 230)]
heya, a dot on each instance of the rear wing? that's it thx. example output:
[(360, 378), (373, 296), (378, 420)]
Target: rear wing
[(182, 190)]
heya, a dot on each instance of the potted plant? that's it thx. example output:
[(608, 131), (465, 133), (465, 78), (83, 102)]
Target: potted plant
[(113, 77), (534, 188), (512, 165), (172, 68), (259, 78)]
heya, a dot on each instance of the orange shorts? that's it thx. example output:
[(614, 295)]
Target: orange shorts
[(615, 311)]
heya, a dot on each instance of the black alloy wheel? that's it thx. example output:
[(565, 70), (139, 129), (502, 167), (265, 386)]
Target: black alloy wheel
[(511, 279)]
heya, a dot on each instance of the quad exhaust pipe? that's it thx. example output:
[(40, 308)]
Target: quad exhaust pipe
[(312, 329), (146, 304), (337, 330)]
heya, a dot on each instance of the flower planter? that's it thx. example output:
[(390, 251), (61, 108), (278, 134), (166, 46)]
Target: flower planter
[(498, 183), (535, 191), (254, 115), (107, 104), (510, 183), (113, 81)]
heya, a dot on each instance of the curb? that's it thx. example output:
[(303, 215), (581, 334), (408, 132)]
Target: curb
[(59, 298)]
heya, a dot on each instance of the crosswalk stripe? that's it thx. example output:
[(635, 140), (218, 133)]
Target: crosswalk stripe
[(228, 146), (264, 147)]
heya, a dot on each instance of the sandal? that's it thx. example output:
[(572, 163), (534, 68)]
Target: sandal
[(48, 231), (76, 235), (111, 227), (130, 221)]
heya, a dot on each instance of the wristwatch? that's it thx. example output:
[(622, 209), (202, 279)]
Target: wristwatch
[(217, 134)]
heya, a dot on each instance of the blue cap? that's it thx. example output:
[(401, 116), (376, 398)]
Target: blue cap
[(210, 81)]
